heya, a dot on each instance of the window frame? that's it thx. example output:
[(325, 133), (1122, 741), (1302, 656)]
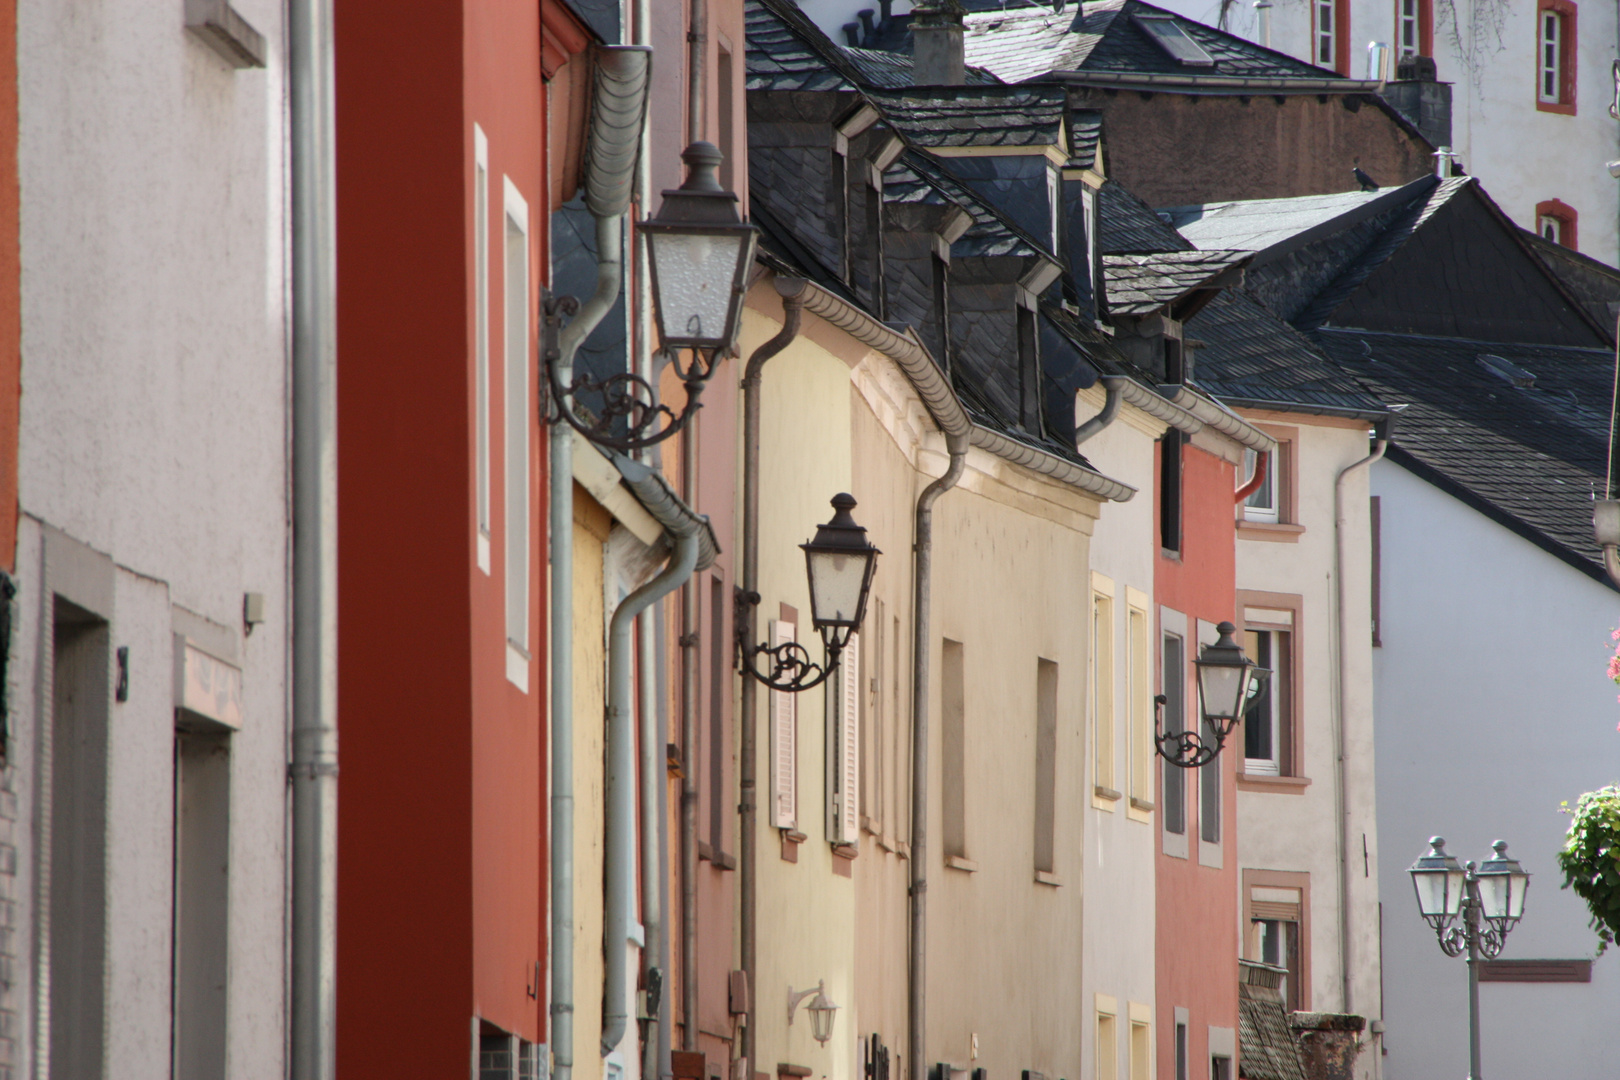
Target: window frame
[(517, 437), (1422, 19), (1174, 818), (481, 422), (1283, 476), (1139, 705), (1252, 606), (1254, 911), (1139, 1065), (1338, 35), (1568, 49), (1105, 792), (1568, 222), (1105, 1048)]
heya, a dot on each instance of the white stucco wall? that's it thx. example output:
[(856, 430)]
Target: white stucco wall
[(1120, 849), (154, 431), (1493, 708), (1298, 831)]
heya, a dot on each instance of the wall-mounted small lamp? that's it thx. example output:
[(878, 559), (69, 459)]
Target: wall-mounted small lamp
[(1227, 681), (821, 1010)]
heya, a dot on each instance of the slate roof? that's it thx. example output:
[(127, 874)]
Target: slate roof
[(1127, 226), (976, 116), (992, 233), (1142, 284), (1251, 357), (1030, 42), (786, 51), (1085, 137), (1596, 285), (893, 69), (1266, 1045), (1529, 458)]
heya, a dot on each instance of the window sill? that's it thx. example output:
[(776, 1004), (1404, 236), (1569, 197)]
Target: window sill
[(1139, 809), (1043, 877), (1275, 532), (957, 862), (846, 851), (1556, 107), (1275, 785), (791, 839), (844, 858), (1104, 798)]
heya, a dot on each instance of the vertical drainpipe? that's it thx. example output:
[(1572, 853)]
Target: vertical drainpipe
[(923, 560), (690, 632), (1341, 770), (314, 540), (791, 291), (620, 794), (616, 119)]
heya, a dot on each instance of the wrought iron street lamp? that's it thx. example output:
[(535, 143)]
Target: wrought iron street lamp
[(1227, 681), (699, 252), (1490, 901), (840, 563)]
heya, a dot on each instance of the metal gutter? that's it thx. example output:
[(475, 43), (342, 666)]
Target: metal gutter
[(1215, 415), (1230, 84), (943, 406), (667, 508), (1370, 415)]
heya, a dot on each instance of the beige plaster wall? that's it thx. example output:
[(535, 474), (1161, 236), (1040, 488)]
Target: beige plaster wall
[(1299, 831)]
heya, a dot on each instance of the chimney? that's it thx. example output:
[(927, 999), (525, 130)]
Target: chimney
[(852, 35), (936, 44), (885, 13), (868, 37)]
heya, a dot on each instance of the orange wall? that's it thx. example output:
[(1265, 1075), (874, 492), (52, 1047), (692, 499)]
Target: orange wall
[(10, 286), (1197, 942), (442, 827)]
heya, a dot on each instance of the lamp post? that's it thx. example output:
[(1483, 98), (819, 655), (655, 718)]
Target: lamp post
[(1490, 899), (1227, 680), (840, 563), (698, 253)]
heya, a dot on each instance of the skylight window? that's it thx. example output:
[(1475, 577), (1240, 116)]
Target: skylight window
[(1169, 36)]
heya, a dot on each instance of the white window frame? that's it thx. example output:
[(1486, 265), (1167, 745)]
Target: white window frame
[(1550, 53), (844, 750), (1106, 1048), (1139, 702), (784, 742), (1408, 25), (481, 339), (1325, 15), (518, 348), (1271, 766), (1104, 707), (1262, 503), (1555, 225), (1054, 189)]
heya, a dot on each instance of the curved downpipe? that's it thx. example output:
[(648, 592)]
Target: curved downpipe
[(792, 291), (619, 103), (923, 560), (620, 795), (1113, 386)]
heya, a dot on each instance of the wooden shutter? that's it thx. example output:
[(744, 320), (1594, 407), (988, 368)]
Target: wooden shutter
[(849, 731), (784, 744)]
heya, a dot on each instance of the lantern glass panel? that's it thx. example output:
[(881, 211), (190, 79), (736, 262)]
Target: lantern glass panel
[(837, 579), (1223, 689), (696, 274)]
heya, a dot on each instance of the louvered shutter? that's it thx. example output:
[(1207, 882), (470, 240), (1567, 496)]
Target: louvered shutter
[(784, 744), (849, 727)]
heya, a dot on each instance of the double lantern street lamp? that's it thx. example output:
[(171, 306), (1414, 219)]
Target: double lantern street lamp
[(840, 563), (1227, 681), (699, 253), (1490, 900)]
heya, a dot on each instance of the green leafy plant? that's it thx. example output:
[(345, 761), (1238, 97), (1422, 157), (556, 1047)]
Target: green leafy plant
[(1591, 859)]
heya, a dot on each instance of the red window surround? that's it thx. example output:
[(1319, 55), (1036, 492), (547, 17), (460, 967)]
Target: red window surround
[(1566, 217), (1420, 12), (1567, 48)]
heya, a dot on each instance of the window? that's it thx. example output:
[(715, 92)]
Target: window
[(1262, 503), (1265, 722), (1175, 710), (1029, 371), (481, 335), (1107, 1039), (874, 240), (1209, 795), (1052, 202), (840, 197), (784, 742), (1555, 56), (953, 763), (1414, 28), (1220, 1068), (1046, 691), (1327, 47), (1181, 1051), (1555, 221), (1276, 912), (518, 413), (942, 306), (725, 95), (1088, 206), (202, 844), (1375, 521), (719, 690), (1104, 784), (872, 774), (1168, 35), (1170, 490), (1139, 704), (1270, 628), (1141, 1044)]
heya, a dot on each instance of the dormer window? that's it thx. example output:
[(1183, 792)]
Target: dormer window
[(1168, 35), (1052, 188)]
